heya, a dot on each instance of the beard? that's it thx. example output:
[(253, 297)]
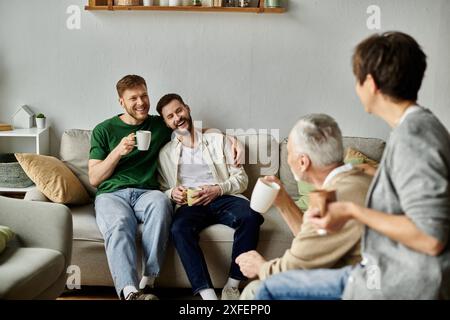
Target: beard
[(302, 177), (187, 131), (136, 115)]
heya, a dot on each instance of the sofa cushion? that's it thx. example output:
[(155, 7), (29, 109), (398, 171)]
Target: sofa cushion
[(74, 152), (85, 227), (261, 157), (371, 147), (6, 234), (53, 178), (26, 272)]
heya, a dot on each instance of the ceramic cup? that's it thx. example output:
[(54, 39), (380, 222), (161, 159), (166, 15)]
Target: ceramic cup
[(263, 195), (320, 199), (143, 139), (192, 195)]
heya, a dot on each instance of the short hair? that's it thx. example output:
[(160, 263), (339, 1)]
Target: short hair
[(396, 62), (165, 100), (319, 137), (129, 82)]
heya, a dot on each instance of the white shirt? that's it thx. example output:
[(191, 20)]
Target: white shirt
[(408, 111), (193, 171), (336, 171)]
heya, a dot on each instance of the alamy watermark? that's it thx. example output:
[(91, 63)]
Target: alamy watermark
[(74, 277), (374, 20), (73, 22)]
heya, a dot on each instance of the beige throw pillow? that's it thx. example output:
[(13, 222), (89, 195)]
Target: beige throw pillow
[(53, 179)]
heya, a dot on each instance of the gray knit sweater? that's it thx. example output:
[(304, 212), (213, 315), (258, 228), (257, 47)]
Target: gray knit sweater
[(413, 180)]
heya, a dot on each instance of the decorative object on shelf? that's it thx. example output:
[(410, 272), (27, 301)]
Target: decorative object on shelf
[(272, 3), (11, 173), (126, 2), (5, 127), (174, 3), (209, 6), (243, 3), (23, 118), (147, 3), (40, 121)]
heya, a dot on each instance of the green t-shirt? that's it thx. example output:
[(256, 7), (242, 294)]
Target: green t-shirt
[(138, 169)]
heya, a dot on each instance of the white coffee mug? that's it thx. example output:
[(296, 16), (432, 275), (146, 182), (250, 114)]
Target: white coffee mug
[(264, 195), (174, 3), (147, 2), (143, 139)]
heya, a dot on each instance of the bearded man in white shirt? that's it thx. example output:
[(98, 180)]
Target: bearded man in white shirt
[(193, 159)]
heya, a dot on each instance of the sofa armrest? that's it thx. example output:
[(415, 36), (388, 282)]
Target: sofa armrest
[(38, 224), (35, 195)]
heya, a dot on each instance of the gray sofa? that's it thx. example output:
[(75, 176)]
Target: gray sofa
[(265, 156), (34, 264)]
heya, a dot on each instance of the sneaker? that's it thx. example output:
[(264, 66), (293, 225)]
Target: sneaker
[(230, 293), (141, 296)]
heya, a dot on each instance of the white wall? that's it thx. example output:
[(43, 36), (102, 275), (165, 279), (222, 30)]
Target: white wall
[(235, 70)]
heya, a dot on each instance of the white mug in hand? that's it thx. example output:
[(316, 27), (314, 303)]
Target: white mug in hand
[(143, 139), (263, 195)]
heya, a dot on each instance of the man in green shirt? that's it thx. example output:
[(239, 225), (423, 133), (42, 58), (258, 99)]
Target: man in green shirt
[(128, 191)]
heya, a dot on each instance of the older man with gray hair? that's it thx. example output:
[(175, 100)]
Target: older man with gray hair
[(315, 155)]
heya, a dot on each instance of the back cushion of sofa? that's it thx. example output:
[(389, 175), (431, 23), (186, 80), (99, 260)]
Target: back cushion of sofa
[(261, 157), (371, 147), (74, 152)]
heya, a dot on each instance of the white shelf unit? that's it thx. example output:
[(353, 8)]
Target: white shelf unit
[(31, 140)]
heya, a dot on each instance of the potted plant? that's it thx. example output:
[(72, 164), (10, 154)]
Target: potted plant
[(40, 121)]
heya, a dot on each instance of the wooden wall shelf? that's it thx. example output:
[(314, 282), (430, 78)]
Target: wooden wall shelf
[(107, 5)]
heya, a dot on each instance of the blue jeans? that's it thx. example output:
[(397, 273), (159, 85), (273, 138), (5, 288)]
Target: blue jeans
[(190, 221), (320, 284), (118, 215)]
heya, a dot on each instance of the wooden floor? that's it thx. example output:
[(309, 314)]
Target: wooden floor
[(109, 293)]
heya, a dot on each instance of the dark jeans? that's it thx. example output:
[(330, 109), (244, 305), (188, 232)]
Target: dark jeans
[(190, 221)]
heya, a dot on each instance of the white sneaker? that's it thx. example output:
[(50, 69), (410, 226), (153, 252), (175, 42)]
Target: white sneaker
[(230, 293)]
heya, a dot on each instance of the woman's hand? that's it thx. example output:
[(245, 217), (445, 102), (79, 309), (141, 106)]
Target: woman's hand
[(335, 218)]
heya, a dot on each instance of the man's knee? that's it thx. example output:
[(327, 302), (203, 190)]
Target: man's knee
[(159, 201), (180, 229), (251, 218)]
